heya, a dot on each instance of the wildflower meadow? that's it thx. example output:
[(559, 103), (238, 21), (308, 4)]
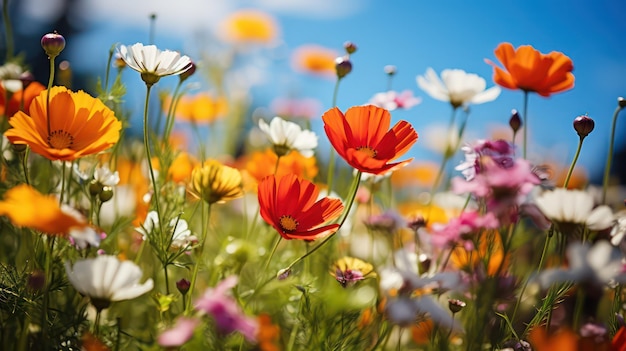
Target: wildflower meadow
[(192, 223)]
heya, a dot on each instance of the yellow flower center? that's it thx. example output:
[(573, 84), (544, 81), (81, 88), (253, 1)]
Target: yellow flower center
[(288, 223), (368, 150), (60, 139)]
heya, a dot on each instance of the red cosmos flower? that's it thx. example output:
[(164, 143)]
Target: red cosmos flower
[(362, 137), (288, 204), (527, 69), (28, 94)]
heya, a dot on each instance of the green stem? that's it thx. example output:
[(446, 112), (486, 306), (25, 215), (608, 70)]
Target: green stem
[(196, 268), (46, 293), (146, 141), (108, 70), (525, 124), (578, 307), (8, 29), (571, 167), (609, 158), (331, 155), (169, 121), (447, 155), (50, 82)]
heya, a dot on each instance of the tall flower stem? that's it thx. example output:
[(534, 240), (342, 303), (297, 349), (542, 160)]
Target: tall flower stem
[(196, 268), (331, 155), (448, 153), (50, 82), (571, 167), (525, 124), (146, 141), (609, 157), (8, 29)]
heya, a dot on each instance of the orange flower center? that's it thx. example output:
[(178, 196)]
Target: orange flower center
[(288, 223), (60, 139), (368, 150)]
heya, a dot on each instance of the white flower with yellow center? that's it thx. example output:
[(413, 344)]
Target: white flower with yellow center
[(457, 87), (105, 279), (153, 63), (287, 136)]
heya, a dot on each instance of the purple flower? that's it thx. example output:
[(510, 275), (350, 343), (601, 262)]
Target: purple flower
[(179, 334), (224, 310)]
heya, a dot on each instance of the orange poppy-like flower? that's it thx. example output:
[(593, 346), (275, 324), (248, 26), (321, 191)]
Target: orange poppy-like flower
[(315, 60), (563, 339), (289, 205), (619, 340), (268, 335), (181, 168), (527, 69), (249, 26), (489, 254), (362, 137), (25, 96), (201, 108), (26, 207), (262, 163), (79, 125)]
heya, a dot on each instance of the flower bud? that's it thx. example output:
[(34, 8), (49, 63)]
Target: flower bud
[(583, 125), (189, 72), (350, 47), (19, 148), (36, 281), (515, 121), (455, 305), (343, 66), (283, 274), (53, 44), (183, 286), (95, 188), (106, 194), (390, 70), (621, 102), (26, 78)]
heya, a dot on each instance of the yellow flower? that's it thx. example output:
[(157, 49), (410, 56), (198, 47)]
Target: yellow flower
[(314, 59), (349, 270), (79, 125), (26, 207), (201, 108), (249, 26), (215, 182)]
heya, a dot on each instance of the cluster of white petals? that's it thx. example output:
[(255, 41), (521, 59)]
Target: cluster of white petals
[(287, 136), (457, 87)]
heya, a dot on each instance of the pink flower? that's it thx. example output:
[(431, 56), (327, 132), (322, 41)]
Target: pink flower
[(179, 334), (392, 100), (224, 310), (500, 151), (459, 229), (502, 188)]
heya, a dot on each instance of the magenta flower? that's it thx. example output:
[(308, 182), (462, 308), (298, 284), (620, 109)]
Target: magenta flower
[(500, 151), (460, 229), (228, 316), (179, 334)]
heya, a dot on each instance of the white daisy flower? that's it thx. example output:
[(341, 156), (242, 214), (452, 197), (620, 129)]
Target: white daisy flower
[(287, 136), (563, 207), (597, 265), (457, 87), (104, 176), (153, 63), (106, 279), (178, 227)]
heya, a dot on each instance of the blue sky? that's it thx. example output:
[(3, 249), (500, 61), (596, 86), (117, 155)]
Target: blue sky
[(412, 35)]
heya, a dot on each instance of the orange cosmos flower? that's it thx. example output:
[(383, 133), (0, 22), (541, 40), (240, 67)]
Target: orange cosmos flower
[(563, 339), (362, 137), (27, 95), (529, 70), (79, 125), (289, 205), (26, 207), (314, 59), (201, 108), (262, 163), (249, 26)]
